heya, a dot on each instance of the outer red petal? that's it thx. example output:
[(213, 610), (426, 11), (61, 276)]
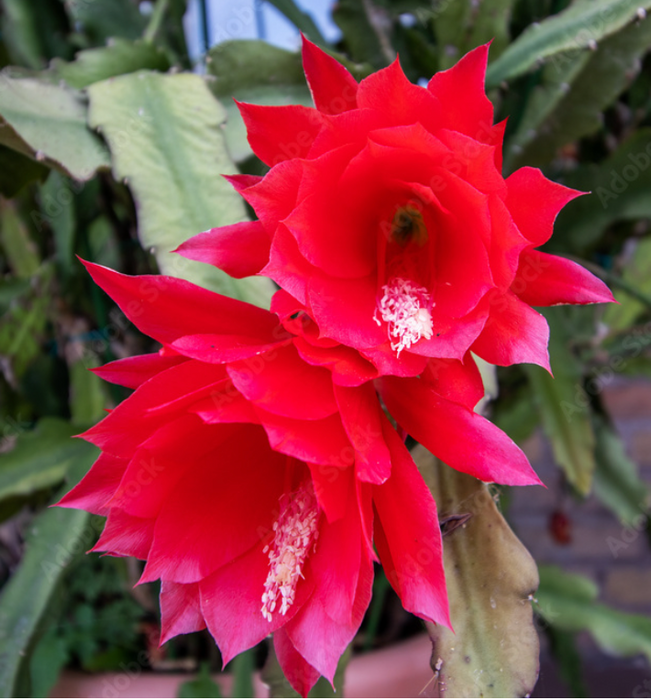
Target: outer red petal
[(134, 371), (361, 415), (167, 308), (319, 639), (547, 280), (461, 93), (460, 438), (98, 486), (534, 203), (233, 594), (280, 133), (298, 672), (409, 541), (240, 250), (514, 333), (126, 536), (333, 88), (180, 609), (140, 415)]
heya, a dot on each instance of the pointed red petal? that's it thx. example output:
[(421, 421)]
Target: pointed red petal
[(98, 486), (455, 380), (279, 133), (547, 280), (233, 594), (298, 672), (240, 250), (333, 88), (134, 371), (462, 439), (460, 90), (514, 333), (126, 536), (167, 308), (180, 608), (530, 191), (317, 637), (361, 416), (414, 565)]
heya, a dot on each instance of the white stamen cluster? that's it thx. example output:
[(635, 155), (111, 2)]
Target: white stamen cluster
[(296, 535), (404, 307)]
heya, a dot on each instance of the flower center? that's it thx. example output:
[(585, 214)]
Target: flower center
[(405, 308), (296, 536)]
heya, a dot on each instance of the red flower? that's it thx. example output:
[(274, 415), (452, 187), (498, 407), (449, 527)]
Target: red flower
[(252, 468), (386, 216)]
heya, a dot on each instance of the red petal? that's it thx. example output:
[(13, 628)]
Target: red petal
[(180, 608), (151, 405), (154, 471), (514, 333), (167, 308), (452, 336), (409, 364), (332, 489), (333, 88), (98, 486), (319, 639), (281, 382), (534, 203), (240, 250), (460, 90), (336, 562), (287, 266), (414, 565), (126, 536), (456, 381), (506, 244), (361, 416), (400, 102), (243, 181), (231, 602), (274, 197), (298, 672), (221, 348), (222, 514), (344, 309), (348, 367), (318, 441), (547, 280), (460, 438), (134, 371), (279, 133)]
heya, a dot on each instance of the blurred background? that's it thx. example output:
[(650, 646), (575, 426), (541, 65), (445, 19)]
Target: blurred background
[(117, 120)]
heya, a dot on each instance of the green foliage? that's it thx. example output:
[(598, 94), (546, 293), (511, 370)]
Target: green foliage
[(202, 686), (41, 459), (163, 132), (569, 603), (112, 150), (581, 26), (563, 406)]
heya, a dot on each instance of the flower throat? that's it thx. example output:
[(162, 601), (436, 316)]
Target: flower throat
[(405, 306)]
